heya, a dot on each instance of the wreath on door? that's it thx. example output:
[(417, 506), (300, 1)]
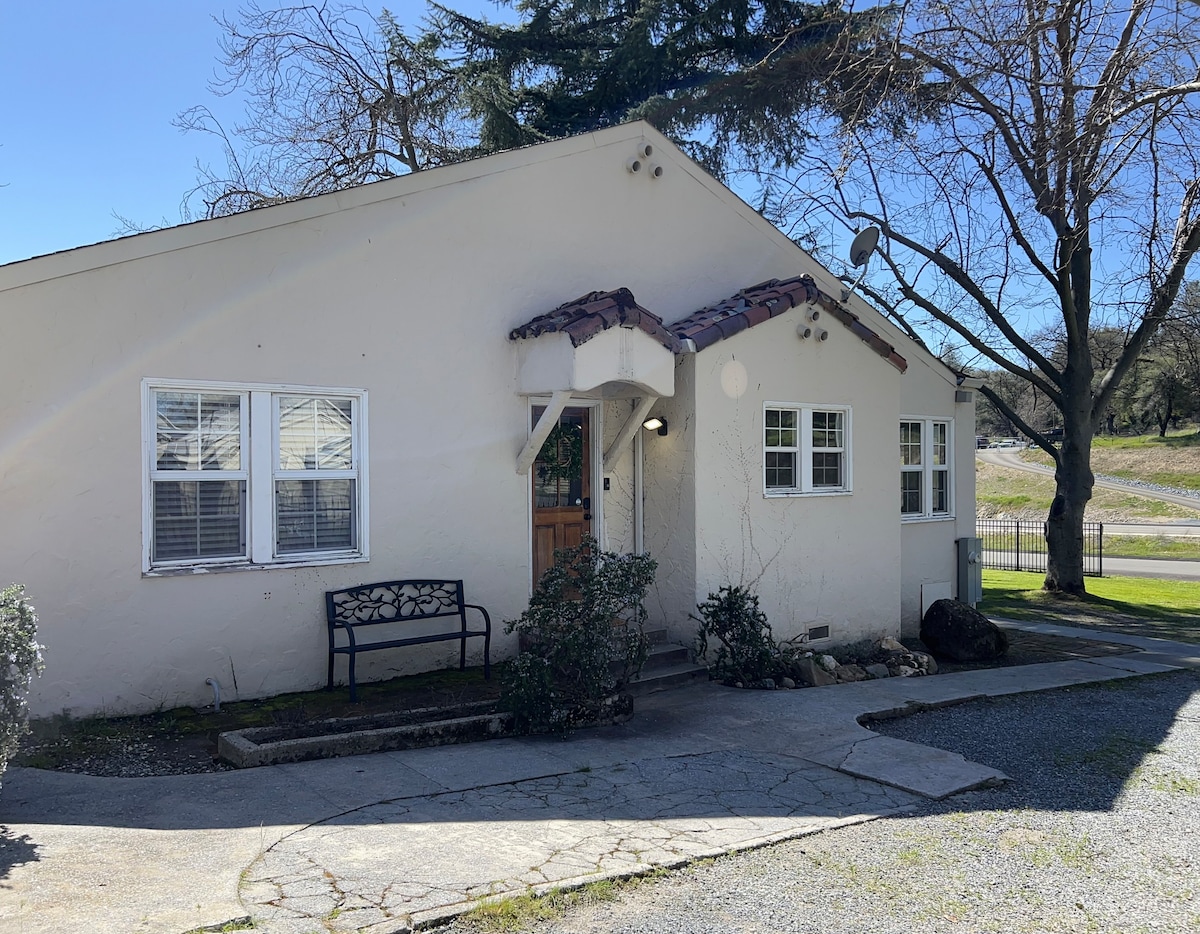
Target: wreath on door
[(561, 457)]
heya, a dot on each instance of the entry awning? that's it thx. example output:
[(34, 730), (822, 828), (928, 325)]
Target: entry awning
[(599, 338)]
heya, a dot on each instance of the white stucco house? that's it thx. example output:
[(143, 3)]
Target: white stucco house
[(206, 427)]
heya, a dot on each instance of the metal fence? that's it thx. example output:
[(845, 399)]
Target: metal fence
[(1020, 545)]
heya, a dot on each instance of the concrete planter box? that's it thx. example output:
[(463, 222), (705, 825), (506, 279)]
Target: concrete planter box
[(326, 739), (412, 729)]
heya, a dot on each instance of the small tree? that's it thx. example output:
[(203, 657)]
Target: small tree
[(582, 638), (20, 660), (745, 649)]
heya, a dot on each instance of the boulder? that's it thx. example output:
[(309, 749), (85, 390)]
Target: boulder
[(960, 633), (848, 673), (878, 671), (808, 671)]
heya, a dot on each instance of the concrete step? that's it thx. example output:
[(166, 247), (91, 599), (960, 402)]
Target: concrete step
[(662, 679), (666, 655)]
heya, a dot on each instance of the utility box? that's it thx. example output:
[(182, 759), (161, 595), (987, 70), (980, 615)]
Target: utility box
[(970, 570)]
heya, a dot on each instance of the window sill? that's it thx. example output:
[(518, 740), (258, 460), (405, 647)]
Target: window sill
[(193, 570), (906, 520), (786, 494)]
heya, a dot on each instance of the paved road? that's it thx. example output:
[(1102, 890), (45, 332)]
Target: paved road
[(1165, 568), (1011, 458)]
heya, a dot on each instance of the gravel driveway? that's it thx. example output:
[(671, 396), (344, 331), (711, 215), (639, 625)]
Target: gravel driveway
[(1098, 832)]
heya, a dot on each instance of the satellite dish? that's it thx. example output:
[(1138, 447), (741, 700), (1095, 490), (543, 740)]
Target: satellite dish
[(864, 245)]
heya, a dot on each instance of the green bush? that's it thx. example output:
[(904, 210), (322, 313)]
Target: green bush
[(20, 660), (582, 638), (744, 650)]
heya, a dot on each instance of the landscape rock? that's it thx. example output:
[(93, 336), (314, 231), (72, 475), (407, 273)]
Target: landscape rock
[(890, 644), (906, 671), (878, 670), (810, 672), (926, 662), (960, 633), (848, 673), (787, 683), (828, 662)]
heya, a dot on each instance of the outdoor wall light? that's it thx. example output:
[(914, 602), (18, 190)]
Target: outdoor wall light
[(654, 423)]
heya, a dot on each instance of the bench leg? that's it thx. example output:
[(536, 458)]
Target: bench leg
[(353, 686), (329, 683), (487, 657), (462, 654)]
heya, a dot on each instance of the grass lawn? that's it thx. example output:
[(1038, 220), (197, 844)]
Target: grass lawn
[(1164, 609)]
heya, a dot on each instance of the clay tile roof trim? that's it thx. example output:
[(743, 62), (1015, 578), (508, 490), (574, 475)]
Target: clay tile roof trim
[(590, 314), (768, 299)]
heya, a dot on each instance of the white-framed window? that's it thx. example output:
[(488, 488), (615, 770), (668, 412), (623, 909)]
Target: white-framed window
[(249, 475), (925, 456), (806, 449)]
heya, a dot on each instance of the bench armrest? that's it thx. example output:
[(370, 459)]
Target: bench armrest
[(487, 620)]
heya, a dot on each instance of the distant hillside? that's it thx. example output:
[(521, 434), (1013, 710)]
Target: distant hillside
[(1171, 464)]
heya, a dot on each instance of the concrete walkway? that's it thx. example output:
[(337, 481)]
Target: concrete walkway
[(386, 842)]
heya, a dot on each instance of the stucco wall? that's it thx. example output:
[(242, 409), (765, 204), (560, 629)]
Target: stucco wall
[(619, 498), (928, 545), (670, 507), (815, 560)]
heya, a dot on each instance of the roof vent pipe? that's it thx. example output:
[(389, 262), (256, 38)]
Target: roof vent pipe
[(813, 314), (647, 150), (656, 171), (634, 166), (822, 335), (803, 331)]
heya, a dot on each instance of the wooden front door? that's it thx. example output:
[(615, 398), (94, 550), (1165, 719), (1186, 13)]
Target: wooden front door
[(562, 487)]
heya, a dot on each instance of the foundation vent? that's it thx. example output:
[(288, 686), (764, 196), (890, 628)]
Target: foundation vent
[(818, 632)]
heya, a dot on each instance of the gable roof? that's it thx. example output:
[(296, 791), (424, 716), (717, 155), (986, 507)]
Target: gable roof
[(588, 315), (768, 299)]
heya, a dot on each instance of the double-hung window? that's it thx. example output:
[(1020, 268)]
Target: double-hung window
[(806, 449), (244, 475), (925, 449)]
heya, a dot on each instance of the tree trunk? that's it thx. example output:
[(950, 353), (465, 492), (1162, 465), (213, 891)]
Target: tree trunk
[(1073, 481)]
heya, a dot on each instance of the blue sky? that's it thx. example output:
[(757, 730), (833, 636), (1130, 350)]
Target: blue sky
[(89, 92)]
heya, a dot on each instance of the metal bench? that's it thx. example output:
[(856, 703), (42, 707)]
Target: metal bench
[(395, 603)]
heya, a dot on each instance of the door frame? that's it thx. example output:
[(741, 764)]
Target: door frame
[(595, 409)]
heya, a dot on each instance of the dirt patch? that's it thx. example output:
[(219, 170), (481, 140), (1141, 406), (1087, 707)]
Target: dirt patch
[(184, 740), (1032, 648)]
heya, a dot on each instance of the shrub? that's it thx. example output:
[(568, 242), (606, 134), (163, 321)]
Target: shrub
[(20, 660), (745, 649), (582, 638)]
